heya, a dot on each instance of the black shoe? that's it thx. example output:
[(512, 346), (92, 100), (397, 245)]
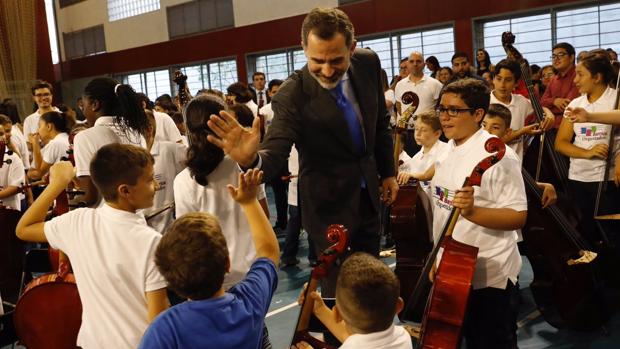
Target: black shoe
[(289, 263)]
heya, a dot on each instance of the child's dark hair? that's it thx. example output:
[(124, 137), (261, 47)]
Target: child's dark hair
[(367, 293), (429, 118), (240, 91), (598, 63), (497, 110), (115, 164), (473, 92), (61, 121), (118, 100), (41, 84), (202, 156), (244, 114), (192, 256), (511, 65)]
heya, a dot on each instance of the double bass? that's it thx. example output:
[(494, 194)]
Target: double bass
[(447, 303), (338, 236), (409, 220)]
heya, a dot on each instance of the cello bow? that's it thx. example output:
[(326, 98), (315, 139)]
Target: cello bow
[(339, 237)]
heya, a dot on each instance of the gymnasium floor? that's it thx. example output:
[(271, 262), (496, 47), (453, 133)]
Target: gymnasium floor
[(533, 333)]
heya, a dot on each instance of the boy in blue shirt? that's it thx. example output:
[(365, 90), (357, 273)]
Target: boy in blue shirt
[(193, 257)]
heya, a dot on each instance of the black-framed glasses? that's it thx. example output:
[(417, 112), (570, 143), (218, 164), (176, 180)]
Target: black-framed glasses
[(452, 112), (559, 55), (47, 94)]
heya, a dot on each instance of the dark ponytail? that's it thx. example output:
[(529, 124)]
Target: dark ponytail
[(61, 121), (118, 100), (202, 156)]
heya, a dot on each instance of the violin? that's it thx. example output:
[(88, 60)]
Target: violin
[(339, 237), (447, 304), (184, 97)]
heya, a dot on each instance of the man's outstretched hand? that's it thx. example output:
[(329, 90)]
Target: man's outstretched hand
[(239, 143)]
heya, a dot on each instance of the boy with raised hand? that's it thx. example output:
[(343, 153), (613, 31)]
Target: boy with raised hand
[(367, 300), (111, 248), (193, 257)]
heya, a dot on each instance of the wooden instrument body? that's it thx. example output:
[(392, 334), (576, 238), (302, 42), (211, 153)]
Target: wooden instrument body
[(446, 309), (568, 296), (11, 255)]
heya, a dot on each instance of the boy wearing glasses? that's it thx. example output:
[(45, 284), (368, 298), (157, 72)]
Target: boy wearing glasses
[(561, 90), (42, 96), (490, 214)]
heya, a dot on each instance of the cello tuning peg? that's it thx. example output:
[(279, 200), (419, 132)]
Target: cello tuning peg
[(8, 161), (9, 152)]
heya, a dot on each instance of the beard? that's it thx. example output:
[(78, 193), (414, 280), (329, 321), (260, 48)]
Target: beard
[(332, 81)]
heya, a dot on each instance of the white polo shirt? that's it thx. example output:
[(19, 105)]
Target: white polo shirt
[(31, 122), (105, 131), (253, 107), (422, 161), (189, 196), (169, 161), (267, 113), (112, 255), (165, 129), (56, 149), (394, 337), (589, 134), (502, 187), (12, 175), (520, 108), (19, 142), (427, 89)]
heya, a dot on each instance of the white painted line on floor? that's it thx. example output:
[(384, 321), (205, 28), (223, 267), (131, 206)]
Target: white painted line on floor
[(531, 316), (279, 310)]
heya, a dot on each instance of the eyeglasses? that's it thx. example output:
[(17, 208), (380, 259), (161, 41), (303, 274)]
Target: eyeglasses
[(559, 55), (452, 112), (43, 95)]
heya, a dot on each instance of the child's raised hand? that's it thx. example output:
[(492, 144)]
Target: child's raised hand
[(532, 129), (248, 186), (62, 173), (576, 114)]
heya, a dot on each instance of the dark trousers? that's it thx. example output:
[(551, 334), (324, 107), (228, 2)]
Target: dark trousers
[(291, 242), (362, 238), (585, 199), (280, 193), (491, 320)]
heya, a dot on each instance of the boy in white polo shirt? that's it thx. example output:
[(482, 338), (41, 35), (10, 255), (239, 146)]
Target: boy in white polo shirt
[(506, 77), (111, 248), (490, 214), (12, 174)]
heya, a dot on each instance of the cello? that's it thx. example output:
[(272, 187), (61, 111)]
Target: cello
[(447, 303), (338, 236), (407, 212)]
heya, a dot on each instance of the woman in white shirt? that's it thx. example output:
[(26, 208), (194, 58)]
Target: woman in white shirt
[(588, 151), (54, 128)]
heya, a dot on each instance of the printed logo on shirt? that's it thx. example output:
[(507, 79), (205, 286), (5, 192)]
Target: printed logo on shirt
[(443, 197), (593, 133), (161, 181)]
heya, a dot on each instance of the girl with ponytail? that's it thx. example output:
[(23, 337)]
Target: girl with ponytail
[(115, 115), (201, 187), (54, 129)]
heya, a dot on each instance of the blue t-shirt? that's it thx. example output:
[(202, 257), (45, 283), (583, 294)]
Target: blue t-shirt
[(234, 320)]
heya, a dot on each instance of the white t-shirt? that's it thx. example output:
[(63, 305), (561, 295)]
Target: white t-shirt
[(267, 113), (31, 122), (502, 187), (293, 167), (394, 337), (12, 175), (189, 196), (403, 159), (421, 162), (19, 142), (56, 149), (253, 107), (169, 161), (165, 128), (589, 134), (105, 131), (520, 107), (427, 89), (112, 255)]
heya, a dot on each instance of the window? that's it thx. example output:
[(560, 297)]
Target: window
[(585, 28), (119, 9), (390, 49), (84, 42), (51, 30), (216, 75), (199, 16)]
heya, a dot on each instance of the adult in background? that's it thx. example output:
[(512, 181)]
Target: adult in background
[(334, 111), (432, 64), (483, 62), (561, 89)]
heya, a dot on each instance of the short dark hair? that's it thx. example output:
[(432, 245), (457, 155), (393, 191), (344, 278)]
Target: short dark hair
[(115, 164), (240, 91), (274, 82), (598, 63), (244, 114), (41, 84), (473, 92), (458, 55), (177, 117), (193, 256), (257, 73), (61, 121), (510, 65), (5, 120), (325, 23), (497, 110), (367, 292), (429, 118), (566, 46)]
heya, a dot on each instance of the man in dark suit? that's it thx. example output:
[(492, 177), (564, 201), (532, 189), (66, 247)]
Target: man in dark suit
[(334, 111)]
